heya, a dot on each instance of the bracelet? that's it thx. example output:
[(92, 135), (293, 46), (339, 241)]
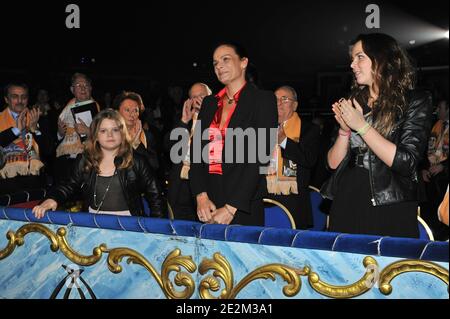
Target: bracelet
[(347, 133), (363, 130), (228, 210)]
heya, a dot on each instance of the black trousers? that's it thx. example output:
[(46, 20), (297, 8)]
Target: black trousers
[(216, 193)]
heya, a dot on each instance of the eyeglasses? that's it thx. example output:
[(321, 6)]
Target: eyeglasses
[(284, 99), (81, 86)]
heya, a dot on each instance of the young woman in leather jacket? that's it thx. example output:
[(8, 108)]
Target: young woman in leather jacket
[(384, 128), (109, 174)]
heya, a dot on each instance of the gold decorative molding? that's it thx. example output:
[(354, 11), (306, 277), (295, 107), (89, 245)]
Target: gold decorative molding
[(76, 257), (8, 250), (18, 238), (404, 266), (288, 274), (57, 242), (223, 270), (172, 263), (349, 291)]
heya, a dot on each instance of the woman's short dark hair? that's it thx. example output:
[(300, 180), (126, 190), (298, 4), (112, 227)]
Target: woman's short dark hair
[(237, 47), (125, 95), (251, 74)]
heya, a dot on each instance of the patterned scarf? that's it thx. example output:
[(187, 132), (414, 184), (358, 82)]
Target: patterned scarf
[(282, 173), (71, 144), (22, 155), (438, 143), (184, 174)]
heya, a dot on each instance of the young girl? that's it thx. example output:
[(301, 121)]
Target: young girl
[(110, 176)]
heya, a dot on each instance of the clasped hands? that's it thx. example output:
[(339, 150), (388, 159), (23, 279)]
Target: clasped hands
[(349, 114), (28, 119), (208, 213)]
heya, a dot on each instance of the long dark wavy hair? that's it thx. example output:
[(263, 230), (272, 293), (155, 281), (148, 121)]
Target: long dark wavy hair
[(93, 152), (394, 76)]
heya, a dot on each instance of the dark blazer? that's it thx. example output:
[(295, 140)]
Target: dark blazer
[(242, 182), (7, 137), (179, 193), (304, 154), (135, 180), (150, 152)]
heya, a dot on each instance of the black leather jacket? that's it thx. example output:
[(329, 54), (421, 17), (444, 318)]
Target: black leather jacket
[(135, 180), (399, 182)]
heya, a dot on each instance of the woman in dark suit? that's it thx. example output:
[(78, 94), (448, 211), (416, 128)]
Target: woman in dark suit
[(229, 190)]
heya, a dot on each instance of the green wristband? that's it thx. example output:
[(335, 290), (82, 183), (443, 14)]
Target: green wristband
[(363, 130)]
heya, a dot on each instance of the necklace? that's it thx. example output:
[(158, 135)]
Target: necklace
[(230, 101), (106, 191)]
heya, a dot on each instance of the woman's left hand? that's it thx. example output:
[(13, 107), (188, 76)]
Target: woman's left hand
[(222, 216), (352, 114), (136, 132), (436, 169)]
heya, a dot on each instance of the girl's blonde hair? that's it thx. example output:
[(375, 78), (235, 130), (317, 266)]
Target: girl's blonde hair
[(93, 151)]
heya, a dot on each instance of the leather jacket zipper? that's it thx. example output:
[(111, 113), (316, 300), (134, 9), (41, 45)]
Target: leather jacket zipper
[(374, 203)]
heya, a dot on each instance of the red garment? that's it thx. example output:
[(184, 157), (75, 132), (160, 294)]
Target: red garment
[(217, 134)]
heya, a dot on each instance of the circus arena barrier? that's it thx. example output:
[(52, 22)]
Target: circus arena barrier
[(83, 255)]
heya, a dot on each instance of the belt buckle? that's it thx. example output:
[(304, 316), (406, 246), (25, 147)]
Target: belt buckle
[(359, 161)]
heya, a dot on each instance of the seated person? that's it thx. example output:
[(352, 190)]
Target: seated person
[(110, 176), (20, 139)]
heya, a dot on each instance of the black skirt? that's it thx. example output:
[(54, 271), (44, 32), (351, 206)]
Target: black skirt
[(352, 210), (216, 193)]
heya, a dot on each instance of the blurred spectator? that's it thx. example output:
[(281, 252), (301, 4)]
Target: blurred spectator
[(179, 195), (435, 175), (21, 141), (69, 132), (295, 156), (130, 106)]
